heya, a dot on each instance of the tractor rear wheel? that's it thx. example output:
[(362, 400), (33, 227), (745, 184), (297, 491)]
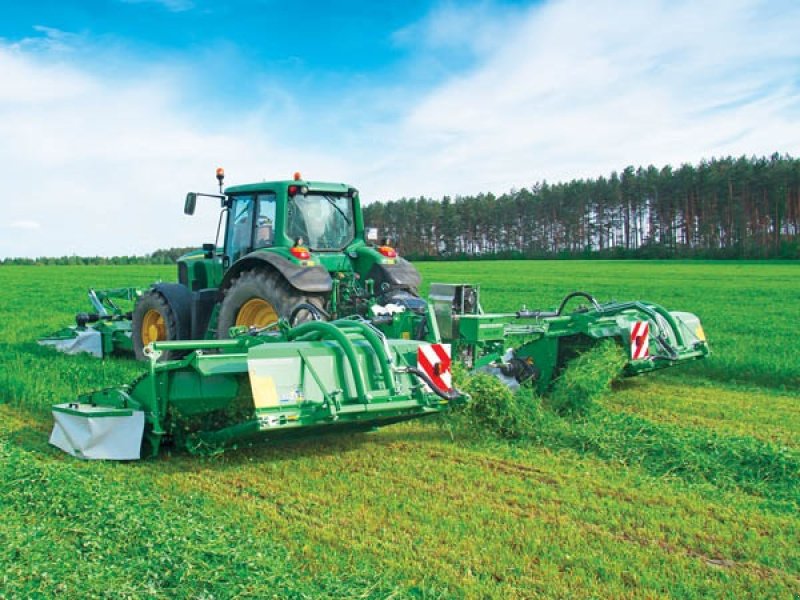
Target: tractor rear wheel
[(259, 298), (153, 321)]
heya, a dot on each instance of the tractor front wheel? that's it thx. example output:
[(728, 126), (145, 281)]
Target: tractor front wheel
[(153, 321), (258, 298)]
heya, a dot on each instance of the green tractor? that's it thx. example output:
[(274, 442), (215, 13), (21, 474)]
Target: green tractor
[(295, 250), (302, 321)]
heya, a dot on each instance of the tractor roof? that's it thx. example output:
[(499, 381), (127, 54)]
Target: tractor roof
[(265, 186)]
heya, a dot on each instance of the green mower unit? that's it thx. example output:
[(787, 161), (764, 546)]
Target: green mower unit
[(299, 320), (535, 345), (101, 333), (317, 376)]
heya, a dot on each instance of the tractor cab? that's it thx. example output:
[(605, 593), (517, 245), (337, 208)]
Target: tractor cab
[(317, 217)]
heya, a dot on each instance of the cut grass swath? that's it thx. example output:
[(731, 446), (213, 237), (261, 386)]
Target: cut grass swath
[(147, 543), (692, 454), (586, 378)]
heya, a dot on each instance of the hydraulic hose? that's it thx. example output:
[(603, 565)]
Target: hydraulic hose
[(654, 311), (448, 395), (578, 294), (316, 312), (527, 314)]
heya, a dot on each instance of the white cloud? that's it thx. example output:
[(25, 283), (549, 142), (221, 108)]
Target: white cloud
[(577, 89), (50, 40), (24, 224), (103, 165), (477, 28)]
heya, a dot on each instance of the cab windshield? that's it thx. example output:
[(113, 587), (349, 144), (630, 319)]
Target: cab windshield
[(324, 221)]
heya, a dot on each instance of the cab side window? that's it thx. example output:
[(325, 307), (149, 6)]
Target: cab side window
[(265, 221), (240, 227)]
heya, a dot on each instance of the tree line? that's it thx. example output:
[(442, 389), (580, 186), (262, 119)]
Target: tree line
[(721, 208), (165, 256), (746, 207)]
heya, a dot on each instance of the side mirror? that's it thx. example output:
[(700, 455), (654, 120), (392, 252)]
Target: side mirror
[(191, 201), (372, 234)]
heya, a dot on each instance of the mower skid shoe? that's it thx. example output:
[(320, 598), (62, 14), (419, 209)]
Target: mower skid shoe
[(74, 341)]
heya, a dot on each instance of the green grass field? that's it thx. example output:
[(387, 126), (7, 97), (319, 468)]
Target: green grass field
[(684, 483)]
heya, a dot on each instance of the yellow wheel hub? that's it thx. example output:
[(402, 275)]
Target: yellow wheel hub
[(256, 312), (153, 327)]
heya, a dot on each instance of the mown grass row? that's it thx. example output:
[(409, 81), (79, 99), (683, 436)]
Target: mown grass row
[(694, 455), (402, 513), (764, 414), (664, 450), (80, 532)]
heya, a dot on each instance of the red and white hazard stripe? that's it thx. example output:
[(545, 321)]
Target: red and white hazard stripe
[(640, 336), (434, 360)]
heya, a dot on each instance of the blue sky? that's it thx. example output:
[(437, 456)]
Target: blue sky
[(110, 111), (278, 39)]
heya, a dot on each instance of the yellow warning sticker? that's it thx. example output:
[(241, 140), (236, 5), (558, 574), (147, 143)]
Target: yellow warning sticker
[(265, 394)]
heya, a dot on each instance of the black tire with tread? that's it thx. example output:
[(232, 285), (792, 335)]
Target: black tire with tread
[(269, 286), (153, 300)]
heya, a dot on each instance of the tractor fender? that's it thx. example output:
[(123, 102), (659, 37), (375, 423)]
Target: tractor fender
[(314, 280), (402, 274), (179, 299)]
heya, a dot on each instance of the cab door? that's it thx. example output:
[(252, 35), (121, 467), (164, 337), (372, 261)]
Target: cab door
[(239, 231), (251, 225)]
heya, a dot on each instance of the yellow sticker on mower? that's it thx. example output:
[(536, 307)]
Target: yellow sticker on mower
[(274, 382), (265, 393)]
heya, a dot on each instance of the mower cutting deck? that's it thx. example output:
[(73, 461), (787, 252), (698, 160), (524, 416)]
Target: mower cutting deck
[(339, 375)]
